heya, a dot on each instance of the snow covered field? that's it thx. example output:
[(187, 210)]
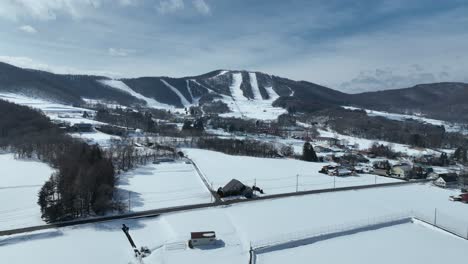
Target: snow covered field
[(237, 225), (20, 182), (410, 243), (162, 185), (272, 175)]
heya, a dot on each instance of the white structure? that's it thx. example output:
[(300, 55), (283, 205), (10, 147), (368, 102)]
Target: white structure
[(202, 239)]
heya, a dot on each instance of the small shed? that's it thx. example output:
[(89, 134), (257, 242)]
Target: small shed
[(235, 188), (447, 180), (401, 171), (203, 238)]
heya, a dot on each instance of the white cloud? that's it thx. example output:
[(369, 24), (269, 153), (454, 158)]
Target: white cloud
[(169, 6), (128, 2), (26, 62), (202, 7), (45, 9), (28, 29), (120, 52)]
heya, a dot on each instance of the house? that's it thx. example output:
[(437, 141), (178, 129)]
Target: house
[(204, 238), (327, 140), (341, 172), (235, 188), (82, 127), (401, 171), (382, 168), (447, 180)]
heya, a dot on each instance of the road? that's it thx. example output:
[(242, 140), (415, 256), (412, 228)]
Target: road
[(157, 212)]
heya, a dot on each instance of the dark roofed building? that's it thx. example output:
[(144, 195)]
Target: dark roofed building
[(235, 188), (447, 180)]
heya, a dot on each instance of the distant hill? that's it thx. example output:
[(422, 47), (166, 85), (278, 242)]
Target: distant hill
[(446, 101)]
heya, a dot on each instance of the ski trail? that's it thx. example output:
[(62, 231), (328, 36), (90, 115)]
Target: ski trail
[(183, 100), (254, 84), (116, 84)]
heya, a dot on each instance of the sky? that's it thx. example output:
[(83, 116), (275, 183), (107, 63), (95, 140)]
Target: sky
[(353, 46)]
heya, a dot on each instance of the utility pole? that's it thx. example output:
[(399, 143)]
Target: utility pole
[(212, 191), (297, 182), (129, 201), (375, 179), (334, 181)]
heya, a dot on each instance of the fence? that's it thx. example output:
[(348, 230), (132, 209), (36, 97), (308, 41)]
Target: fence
[(449, 224)]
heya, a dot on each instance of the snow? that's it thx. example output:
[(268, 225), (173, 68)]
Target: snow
[(20, 182), (163, 185), (450, 127), (243, 107), (182, 98), (239, 224), (367, 143), (254, 84), (151, 102), (272, 175), (55, 111), (412, 241), (96, 137)]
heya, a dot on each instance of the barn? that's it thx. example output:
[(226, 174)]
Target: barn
[(235, 188)]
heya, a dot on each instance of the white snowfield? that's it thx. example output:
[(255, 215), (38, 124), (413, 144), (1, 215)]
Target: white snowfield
[(257, 108), (151, 102), (20, 182), (162, 185), (450, 127), (238, 225), (272, 175), (403, 243)]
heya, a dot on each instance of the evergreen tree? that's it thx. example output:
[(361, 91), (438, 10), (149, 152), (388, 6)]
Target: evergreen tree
[(308, 153)]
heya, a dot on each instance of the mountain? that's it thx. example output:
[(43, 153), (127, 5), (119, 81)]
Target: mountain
[(445, 101), (247, 93)]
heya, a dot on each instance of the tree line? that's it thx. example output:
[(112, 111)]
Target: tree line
[(84, 181)]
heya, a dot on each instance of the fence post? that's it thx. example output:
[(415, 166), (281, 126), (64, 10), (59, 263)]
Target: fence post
[(435, 217), (297, 182)]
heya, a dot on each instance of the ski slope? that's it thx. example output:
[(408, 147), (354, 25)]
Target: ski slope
[(272, 175), (243, 107), (182, 98), (151, 102), (20, 182)]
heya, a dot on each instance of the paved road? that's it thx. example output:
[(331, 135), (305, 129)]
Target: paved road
[(214, 194), (157, 212)]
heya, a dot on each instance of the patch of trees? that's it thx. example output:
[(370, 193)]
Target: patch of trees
[(308, 153), (460, 154), (215, 107), (84, 181), (193, 126), (232, 124), (380, 150), (245, 147), (410, 132), (144, 120)]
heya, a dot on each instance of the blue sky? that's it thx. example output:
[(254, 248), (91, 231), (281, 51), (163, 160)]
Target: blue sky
[(348, 45)]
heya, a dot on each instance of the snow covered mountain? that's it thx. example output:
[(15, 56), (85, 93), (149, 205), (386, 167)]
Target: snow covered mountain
[(241, 93)]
